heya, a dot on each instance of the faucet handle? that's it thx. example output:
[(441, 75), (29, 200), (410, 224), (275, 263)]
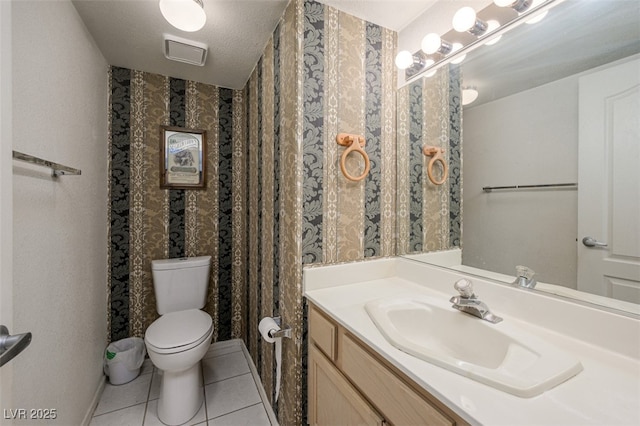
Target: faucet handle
[(523, 271), (464, 287)]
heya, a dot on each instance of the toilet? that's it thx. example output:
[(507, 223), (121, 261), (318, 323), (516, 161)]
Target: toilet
[(178, 340)]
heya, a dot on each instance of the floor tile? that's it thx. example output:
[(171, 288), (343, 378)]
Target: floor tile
[(250, 416), (232, 396), (131, 416), (224, 366), (151, 419), (223, 348), (147, 367), (117, 397), (154, 392), (229, 395)]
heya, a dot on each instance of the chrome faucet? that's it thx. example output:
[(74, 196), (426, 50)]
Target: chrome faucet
[(524, 277), (469, 303)]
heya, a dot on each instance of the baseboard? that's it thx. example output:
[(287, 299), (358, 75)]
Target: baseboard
[(228, 343), (94, 402), (258, 381)]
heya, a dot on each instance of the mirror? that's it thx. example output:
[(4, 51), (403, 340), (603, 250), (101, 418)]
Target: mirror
[(523, 129)]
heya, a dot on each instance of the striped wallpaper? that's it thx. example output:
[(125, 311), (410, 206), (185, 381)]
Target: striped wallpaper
[(148, 223), (275, 199), (322, 72), (429, 216)]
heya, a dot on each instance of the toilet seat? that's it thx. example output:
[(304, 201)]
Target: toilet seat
[(179, 331)]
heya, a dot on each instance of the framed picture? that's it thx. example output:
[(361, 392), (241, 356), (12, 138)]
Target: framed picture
[(182, 158)]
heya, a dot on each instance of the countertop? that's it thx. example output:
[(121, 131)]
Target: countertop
[(606, 392)]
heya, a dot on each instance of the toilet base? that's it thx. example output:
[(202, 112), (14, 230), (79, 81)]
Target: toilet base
[(181, 395)]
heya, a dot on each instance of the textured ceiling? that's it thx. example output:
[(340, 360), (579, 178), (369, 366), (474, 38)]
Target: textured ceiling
[(129, 33)]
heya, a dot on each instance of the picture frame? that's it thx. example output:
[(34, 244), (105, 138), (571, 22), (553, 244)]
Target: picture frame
[(183, 158)]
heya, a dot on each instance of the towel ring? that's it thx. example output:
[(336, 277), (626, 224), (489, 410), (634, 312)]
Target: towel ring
[(345, 139), (436, 154)]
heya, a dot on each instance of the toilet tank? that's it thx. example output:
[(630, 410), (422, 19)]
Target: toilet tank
[(180, 284)]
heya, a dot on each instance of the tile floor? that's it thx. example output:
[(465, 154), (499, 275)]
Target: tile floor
[(233, 393)]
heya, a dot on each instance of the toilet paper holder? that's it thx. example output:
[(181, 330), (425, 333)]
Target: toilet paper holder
[(285, 329)]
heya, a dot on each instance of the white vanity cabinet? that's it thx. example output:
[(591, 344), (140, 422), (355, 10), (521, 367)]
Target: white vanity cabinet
[(349, 384)]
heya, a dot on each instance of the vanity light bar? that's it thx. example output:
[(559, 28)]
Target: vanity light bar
[(414, 71)]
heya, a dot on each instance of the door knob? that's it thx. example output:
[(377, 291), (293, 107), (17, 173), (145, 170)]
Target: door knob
[(10, 346), (592, 242)]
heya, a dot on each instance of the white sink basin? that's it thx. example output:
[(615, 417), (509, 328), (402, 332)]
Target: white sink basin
[(499, 355)]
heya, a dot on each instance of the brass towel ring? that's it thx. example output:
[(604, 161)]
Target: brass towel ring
[(348, 140), (436, 154)]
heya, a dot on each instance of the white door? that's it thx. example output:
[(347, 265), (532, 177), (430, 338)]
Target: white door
[(6, 204), (609, 182)]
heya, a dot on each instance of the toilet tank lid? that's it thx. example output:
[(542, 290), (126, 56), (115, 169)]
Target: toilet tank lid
[(180, 262)]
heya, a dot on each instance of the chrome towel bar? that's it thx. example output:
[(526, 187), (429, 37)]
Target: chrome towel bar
[(56, 169)]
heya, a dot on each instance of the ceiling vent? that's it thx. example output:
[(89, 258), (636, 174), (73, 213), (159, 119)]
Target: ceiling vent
[(183, 50)]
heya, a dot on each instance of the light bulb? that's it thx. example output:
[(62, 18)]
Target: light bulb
[(459, 59), (464, 19), (404, 59), (431, 43), (493, 25), (185, 15)]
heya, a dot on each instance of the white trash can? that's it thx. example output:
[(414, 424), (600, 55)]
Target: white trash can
[(123, 359)]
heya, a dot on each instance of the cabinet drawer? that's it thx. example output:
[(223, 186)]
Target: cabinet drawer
[(323, 332), (332, 399), (400, 404)]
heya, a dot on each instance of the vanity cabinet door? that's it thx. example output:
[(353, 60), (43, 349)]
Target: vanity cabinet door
[(323, 332), (399, 403), (332, 399)]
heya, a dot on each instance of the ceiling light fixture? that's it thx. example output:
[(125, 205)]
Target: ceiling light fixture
[(469, 94), (466, 19), (185, 15)]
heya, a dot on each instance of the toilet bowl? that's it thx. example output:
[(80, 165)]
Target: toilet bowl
[(179, 339), (176, 343)]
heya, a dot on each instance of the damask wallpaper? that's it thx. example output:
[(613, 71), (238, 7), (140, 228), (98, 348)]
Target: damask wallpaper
[(148, 223), (429, 216), (275, 199), (349, 86), (323, 72)]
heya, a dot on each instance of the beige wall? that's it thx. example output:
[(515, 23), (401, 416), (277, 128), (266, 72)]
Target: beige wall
[(6, 196), (59, 111)]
